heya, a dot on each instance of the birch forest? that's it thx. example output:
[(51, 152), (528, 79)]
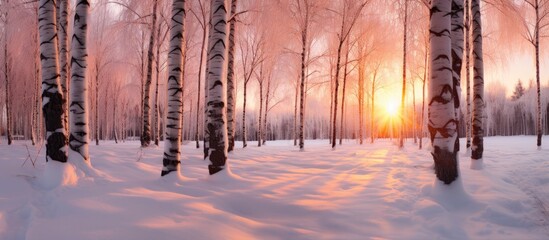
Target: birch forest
[(274, 119), (210, 73)]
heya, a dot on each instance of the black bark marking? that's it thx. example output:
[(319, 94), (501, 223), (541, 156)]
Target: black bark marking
[(444, 32), (445, 165), (217, 156), (171, 166), (444, 130), (439, 99), (55, 143)]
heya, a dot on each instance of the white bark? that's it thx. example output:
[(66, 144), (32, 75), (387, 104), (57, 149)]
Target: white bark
[(231, 82), (457, 56), (62, 33), (442, 122), (216, 83), (538, 26), (468, 72), (403, 96), (146, 134), (52, 95), (79, 130), (478, 83), (7, 75), (171, 162)]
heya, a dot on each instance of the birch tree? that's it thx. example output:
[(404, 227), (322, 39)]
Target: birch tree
[(376, 84), (161, 37), (457, 56), (231, 81), (270, 101), (404, 52), (52, 95), (216, 81), (361, 95), (349, 15), (344, 90), (202, 20), (62, 33), (36, 128), (477, 147), (146, 134), (252, 57), (260, 80), (364, 49), (442, 122), (79, 110), (172, 152), (467, 29), (6, 6), (423, 85), (534, 30), (303, 12)]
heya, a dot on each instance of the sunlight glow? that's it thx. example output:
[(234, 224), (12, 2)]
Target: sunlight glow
[(391, 109)]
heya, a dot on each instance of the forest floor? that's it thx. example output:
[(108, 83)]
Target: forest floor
[(370, 191)]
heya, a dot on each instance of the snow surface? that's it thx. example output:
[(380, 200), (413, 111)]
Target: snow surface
[(374, 191)]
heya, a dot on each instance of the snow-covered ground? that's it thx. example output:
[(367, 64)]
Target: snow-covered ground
[(374, 191)]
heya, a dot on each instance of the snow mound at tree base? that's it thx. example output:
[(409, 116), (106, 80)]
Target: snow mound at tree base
[(85, 169), (56, 174)]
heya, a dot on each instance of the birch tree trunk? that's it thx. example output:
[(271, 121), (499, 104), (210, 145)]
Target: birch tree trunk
[(200, 66), (442, 122), (52, 95), (7, 76), (142, 75), (302, 85), (205, 132), (157, 71), (342, 118), (468, 72), (361, 97), (146, 135), (295, 113), (372, 113), (425, 70), (231, 82), (79, 117), (216, 82), (414, 127), (62, 33), (96, 103), (7, 95), (114, 103), (457, 57), (539, 126), (37, 90), (267, 97), (172, 145), (259, 125), (336, 90), (34, 120), (477, 147), (204, 24), (244, 137), (105, 132), (331, 103), (403, 99)]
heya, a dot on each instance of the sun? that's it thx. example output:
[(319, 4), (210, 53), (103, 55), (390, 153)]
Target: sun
[(391, 108)]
